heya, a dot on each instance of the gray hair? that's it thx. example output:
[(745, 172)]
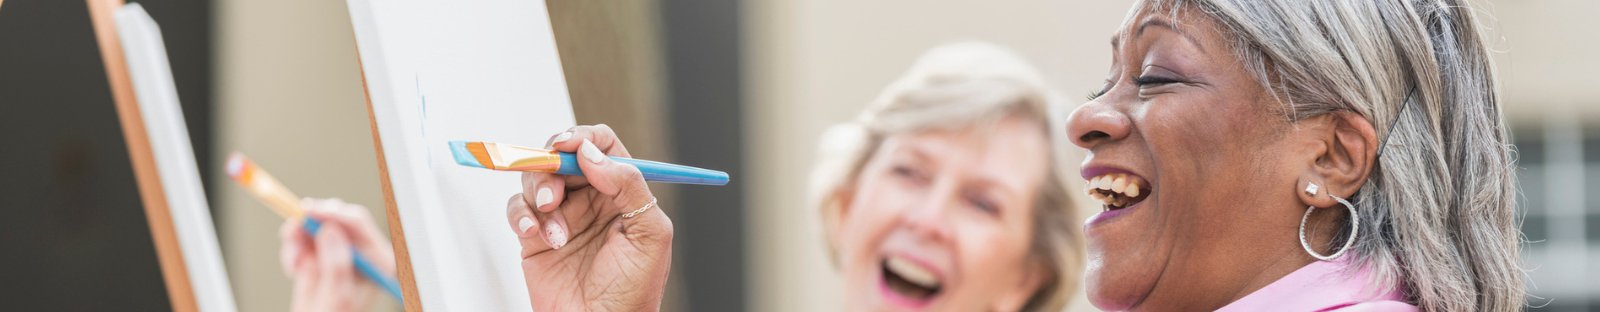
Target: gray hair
[(964, 87), (1439, 203)]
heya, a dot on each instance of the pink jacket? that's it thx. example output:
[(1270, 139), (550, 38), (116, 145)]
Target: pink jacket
[(1323, 286)]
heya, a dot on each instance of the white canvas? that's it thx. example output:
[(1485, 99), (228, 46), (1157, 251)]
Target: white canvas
[(436, 71), (153, 86)]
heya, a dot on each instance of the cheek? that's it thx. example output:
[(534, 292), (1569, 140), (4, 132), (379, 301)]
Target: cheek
[(1196, 152), (992, 258), (869, 216)]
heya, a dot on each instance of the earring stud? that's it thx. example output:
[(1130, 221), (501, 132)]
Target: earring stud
[(1311, 189)]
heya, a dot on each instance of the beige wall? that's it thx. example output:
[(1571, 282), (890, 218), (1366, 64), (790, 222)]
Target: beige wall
[(1546, 57)]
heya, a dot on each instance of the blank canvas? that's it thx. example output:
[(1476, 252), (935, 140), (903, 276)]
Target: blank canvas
[(436, 71)]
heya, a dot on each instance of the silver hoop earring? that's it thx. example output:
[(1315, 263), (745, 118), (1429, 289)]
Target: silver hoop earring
[(1355, 227)]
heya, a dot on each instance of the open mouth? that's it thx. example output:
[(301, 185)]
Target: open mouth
[(1118, 190), (911, 283)]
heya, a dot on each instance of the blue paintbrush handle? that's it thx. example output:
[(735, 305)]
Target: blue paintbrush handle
[(366, 267), (654, 171)]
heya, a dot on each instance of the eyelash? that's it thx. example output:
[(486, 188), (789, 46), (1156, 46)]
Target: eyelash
[(1148, 80), (907, 172), (982, 204), (1142, 81), (1095, 94)]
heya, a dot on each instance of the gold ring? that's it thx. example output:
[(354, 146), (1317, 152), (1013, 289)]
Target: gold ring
[(636, 212)]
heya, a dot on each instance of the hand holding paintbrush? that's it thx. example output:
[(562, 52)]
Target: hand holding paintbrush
[(328, 245)]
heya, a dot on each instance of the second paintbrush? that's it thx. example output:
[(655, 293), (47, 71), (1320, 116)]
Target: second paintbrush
[(506, 157)]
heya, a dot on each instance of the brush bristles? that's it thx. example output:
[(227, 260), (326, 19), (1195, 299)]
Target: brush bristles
[(471, 154)]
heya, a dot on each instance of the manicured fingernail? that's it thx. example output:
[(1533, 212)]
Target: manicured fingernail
[(543, 198), (562, 137), (557, 235), (592, 153), (524, 224)]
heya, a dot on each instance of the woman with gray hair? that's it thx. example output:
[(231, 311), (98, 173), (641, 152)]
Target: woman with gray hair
[(1299, 155)]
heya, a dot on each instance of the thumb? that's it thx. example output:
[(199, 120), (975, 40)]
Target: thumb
[(336, 277), (620, 182)]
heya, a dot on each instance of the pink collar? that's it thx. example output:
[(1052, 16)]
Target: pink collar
[(1323, 286)]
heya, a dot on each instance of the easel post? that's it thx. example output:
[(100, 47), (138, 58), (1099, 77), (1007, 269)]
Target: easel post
[(102, 14)]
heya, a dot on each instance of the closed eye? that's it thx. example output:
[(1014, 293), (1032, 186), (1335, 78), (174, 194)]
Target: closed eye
[(1153, 81), (908, 173), (1098, 93), (983, 203)]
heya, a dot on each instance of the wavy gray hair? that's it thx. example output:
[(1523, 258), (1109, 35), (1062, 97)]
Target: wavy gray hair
[(1440, 202)]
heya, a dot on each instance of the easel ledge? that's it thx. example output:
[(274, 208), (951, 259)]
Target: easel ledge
[(180, 291)]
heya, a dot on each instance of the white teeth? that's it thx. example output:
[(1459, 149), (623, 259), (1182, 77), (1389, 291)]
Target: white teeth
[(912, 273), (1101, 188)]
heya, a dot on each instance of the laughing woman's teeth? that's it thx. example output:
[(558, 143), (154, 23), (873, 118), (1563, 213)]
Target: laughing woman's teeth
[(1115, 190), (912, 273)]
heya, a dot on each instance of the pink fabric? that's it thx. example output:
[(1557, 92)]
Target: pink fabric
[(1323, 286)]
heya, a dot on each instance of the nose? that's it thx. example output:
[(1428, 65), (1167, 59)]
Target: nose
[(1097, 122), (927, 219)]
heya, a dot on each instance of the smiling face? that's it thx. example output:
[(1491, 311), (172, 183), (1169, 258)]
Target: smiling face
[(942, 220), (1185, 150)]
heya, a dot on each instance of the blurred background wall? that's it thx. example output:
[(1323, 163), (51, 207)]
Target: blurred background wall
[(745, 86)]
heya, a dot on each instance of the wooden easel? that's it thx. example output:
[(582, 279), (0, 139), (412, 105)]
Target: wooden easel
[(402, 255), (179, 289)]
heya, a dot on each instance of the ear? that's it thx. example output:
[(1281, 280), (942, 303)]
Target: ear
[(835, 211), (1026, 287), (1347, 151)]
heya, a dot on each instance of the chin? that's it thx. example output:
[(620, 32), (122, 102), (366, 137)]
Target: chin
[(1110, 291)]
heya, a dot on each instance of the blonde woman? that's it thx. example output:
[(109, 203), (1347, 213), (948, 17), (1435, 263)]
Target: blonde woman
[(1299, 155), (945, 194)]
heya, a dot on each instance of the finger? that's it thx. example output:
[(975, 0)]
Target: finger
[(650, 233), (294, 239), (526, 226), (601, 135), (305, 287), (358, 224), (336, 275), (547, 190), (622, 183), (557, 138), (363, 230)]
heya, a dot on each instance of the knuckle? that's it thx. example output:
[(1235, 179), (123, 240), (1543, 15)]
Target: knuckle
[(630, 173), (513, 204)]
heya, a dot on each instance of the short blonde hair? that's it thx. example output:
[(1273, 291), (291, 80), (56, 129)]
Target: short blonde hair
[(963, 86)]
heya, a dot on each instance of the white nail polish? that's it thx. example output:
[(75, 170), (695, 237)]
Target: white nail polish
[(592, 153), (562, 137), (524, 224), (543, 198), (557, 235)]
